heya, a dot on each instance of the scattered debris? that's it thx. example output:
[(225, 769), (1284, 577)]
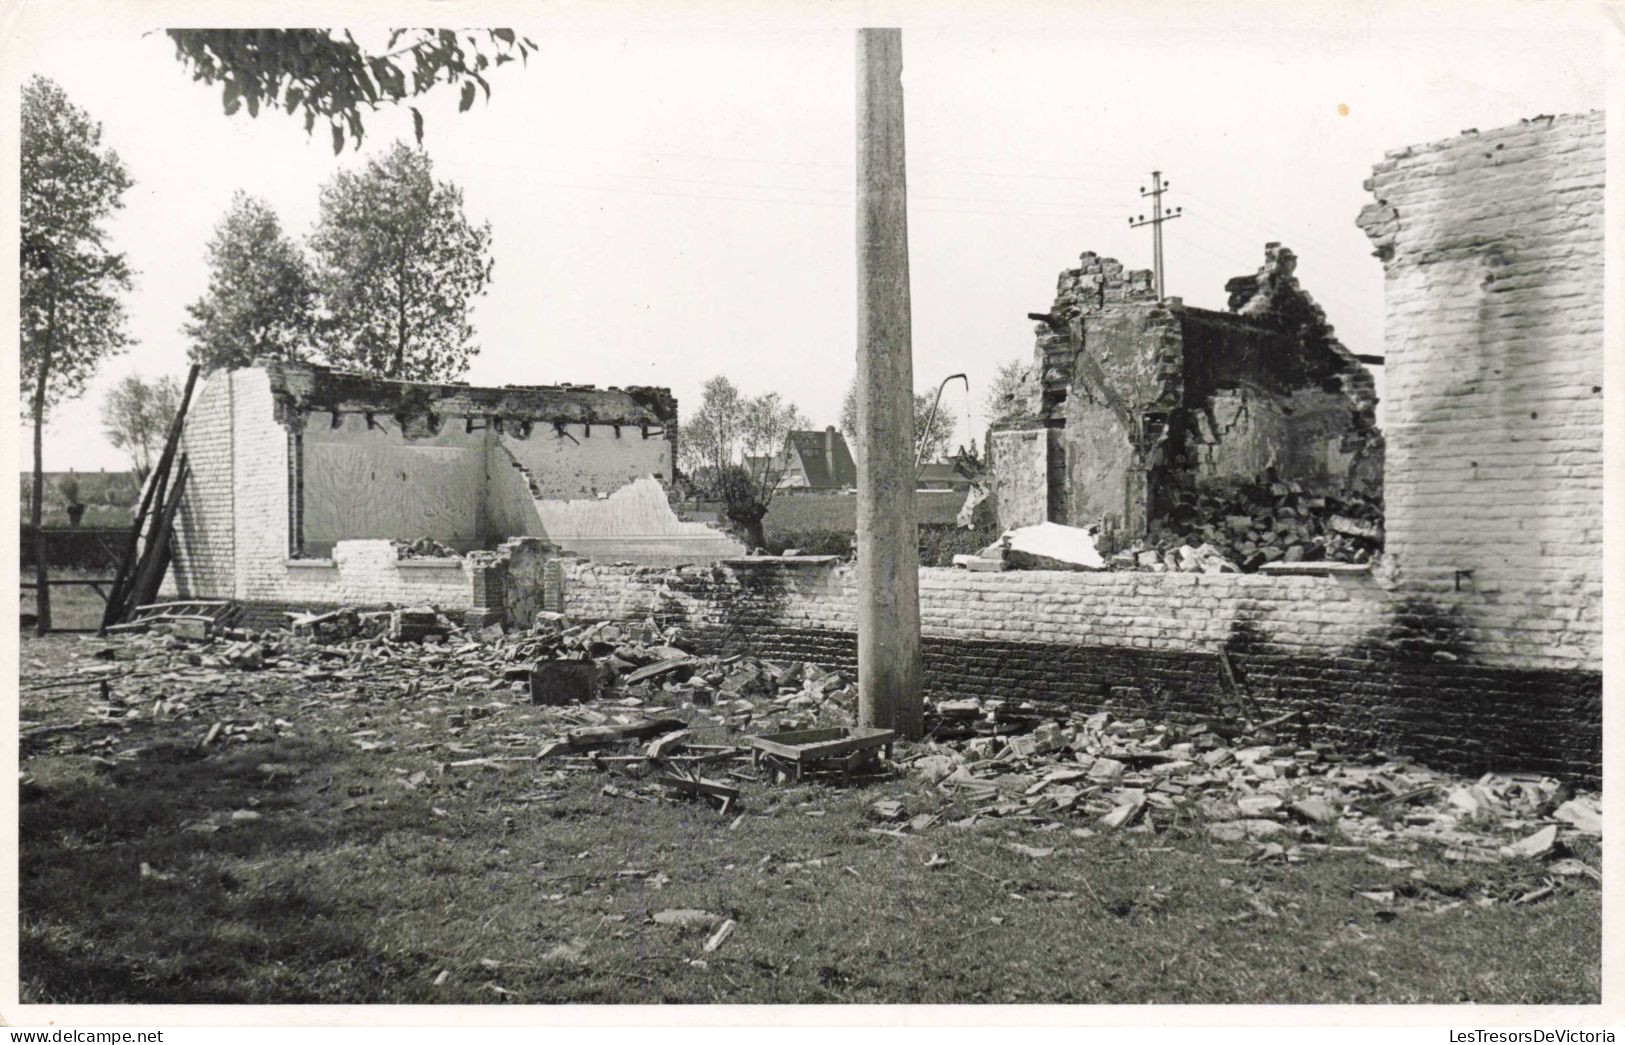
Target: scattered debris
[(664, 721), (688, 918), (1240, 527), (719, 937)]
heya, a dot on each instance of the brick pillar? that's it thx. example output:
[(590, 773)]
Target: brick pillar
[(553, 586), (488, 582)]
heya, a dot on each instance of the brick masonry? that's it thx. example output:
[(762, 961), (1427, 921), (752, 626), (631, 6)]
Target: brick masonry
[(1492, 248), (1371, 666), (1474, 643), (301, 475)]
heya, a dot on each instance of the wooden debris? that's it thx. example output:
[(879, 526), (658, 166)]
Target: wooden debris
[(719, 937)]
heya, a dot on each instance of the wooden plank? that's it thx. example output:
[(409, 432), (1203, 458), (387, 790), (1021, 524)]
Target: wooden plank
[(818, 747), (118, 597), (155, 557)]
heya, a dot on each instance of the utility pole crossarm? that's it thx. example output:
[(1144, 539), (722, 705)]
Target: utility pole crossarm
[(1158, 218)]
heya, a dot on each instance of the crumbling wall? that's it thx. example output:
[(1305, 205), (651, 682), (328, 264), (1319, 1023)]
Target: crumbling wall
[(1152, 403), (636, 523), (510, 507), (296, 461), (1492, 253), (1370, 667), (585, 460)]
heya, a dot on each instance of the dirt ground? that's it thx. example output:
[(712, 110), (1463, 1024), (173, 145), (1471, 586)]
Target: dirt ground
[(325, 830)]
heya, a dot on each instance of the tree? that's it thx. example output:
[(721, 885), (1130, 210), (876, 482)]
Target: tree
[(71, 314), (261, 299), (136, 416), (930, 442), (398, 265), (329, 76), (710, 439), (1008, 394), (733, 447), (764, 422)]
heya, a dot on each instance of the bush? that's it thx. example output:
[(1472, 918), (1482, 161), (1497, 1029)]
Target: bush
[(939, 544), (812, 542)]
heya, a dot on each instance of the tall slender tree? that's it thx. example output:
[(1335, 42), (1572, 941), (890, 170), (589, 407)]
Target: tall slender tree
[(71, 280), (710, 439), (261, 300), (136, 416), (398, 267)]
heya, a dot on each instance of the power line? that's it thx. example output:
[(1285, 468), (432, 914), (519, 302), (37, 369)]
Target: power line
[(1158, 187)]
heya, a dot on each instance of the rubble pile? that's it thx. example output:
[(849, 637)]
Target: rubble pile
[(1242, 528), (635, 702), (424, 548), (649, 706), (1268, 785)]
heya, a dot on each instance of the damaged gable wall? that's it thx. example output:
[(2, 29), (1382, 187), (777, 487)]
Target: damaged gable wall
[(302, 475), (1143, 403)]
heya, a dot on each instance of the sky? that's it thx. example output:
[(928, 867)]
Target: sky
[(671, 189)]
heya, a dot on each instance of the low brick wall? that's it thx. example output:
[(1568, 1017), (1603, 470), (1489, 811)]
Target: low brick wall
[(1372, 667)]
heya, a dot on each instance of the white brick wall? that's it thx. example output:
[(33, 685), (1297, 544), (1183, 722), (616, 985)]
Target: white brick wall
[(1311, 616), (367, 573), (234, 522), (205, 552), (1494, 374)]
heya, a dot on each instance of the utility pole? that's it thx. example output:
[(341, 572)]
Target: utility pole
[(889, 664), (1158, 187)]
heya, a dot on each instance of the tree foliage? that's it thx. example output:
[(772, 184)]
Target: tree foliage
[(330, 77), (398, 266), (71, 280), (136, 416), (261, 299), (733, 448), (71, 316), (930, 439), (1009, 392), (710, 439)]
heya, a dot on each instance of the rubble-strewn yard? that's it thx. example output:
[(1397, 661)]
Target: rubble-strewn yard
[(342, 818)]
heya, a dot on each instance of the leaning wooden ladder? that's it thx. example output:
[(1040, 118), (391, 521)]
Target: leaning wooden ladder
[(146, 558)]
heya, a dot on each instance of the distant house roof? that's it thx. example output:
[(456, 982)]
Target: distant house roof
[(941, 475), (822, 460)]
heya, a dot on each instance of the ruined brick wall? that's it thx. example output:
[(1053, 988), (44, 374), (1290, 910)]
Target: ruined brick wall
[(237, 517), (1150, 403), (366, 478), (205, 549), (1492, 249), (581, 461), (1020, 459), (1370, 668)]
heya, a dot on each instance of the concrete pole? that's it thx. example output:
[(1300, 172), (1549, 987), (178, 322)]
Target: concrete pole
[(889, 667)]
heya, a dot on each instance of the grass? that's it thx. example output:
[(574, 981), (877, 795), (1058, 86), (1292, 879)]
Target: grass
[(360, 881), (73, 606)]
